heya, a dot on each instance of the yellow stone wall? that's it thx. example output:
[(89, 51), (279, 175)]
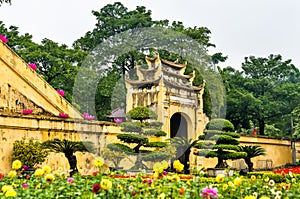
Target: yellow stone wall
[(278, 152), (15, 127), (22, 88)]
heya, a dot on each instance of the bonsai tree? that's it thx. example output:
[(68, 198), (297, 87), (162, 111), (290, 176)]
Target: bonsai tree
[(252, 151), (68, 148), (219, 141), (136, 135), (141, 113), (183, 144), (30, 152)]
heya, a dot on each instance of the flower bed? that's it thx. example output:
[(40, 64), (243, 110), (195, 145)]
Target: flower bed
[(45, 183)]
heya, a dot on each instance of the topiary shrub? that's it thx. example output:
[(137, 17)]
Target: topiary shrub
[(135, 137), (29, 152), (220, 124), (141, 113), (220, 143)]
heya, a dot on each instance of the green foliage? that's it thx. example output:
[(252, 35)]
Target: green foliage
[(155, 124), (265, 92), (156, 156), (141, 113), (120, 148), (29, 152), (133, 138), (156, 144), (225, 145), (131, 127), (220, 124), (276, 177), (251, 151), (69, 148), (155, 132)]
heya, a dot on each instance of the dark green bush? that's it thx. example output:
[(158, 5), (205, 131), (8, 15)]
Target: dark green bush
[(156, 156), (131, 127), (220, 124)]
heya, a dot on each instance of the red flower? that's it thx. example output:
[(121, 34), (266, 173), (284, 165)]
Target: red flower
[(133, 193), (96, 188), (1, 175), (95, 173)]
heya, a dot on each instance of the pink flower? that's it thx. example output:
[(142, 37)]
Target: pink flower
[(88, 117), (61, 92), (32, 65), (27, 112), (3, 38), (209, 193), (63, 115), (118, 120), (25, 185), (70, 180)]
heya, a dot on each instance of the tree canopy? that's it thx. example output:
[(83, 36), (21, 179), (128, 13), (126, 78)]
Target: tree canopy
[(265, 92)]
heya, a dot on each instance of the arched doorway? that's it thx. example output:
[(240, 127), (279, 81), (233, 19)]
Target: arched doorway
[(179, 128)]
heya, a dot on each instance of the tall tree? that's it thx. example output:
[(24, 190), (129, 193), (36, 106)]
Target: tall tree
[(116, 18), (265, 92)]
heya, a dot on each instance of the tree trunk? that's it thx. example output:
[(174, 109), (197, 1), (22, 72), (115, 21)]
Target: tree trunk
[(220, 164), (249, 163), (73, 164)]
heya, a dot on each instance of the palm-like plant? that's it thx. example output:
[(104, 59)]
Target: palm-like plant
[(183, 148), (68, 148), (252, 151)]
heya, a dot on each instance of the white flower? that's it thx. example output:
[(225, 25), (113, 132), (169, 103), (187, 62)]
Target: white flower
[(130, 188), (271, 183)]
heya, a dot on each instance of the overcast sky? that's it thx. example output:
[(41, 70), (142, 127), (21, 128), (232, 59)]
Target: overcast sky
[(239, 27)]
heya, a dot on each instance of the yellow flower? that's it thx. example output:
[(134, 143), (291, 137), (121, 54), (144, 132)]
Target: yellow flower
[(46, 169), (10, 193), (99, 162), (230, 184), (106, 184), (264, 197), (220, 178), (178, 166), (12, 174), (266, 179), (164, 164), (39, 172), (155, 175), (16, 165), (237, 181), (49, 177), (5, 188), (161, 196), (250, 197), (158, 167), (225, 186), (253, 177)]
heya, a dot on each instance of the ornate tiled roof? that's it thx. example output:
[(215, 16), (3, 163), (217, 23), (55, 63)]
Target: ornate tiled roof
[(117, 113)]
